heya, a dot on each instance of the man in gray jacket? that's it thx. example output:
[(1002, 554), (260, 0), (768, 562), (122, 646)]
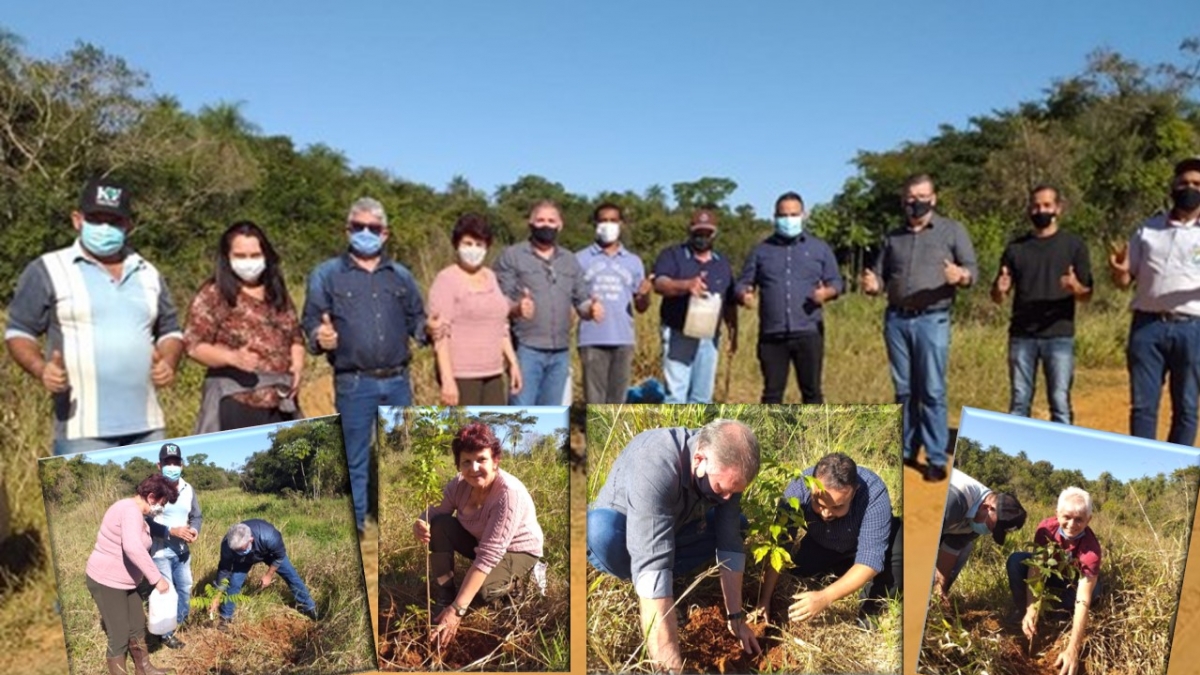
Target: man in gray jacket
[(672, 499)]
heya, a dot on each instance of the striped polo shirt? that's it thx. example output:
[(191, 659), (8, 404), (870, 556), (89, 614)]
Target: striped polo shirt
[(106, 330)]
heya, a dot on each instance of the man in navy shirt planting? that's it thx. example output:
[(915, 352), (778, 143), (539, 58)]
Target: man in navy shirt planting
[(246, 544), (796, 274)]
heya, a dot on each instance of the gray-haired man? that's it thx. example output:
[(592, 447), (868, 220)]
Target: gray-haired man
[(672, 505), (248, 543)]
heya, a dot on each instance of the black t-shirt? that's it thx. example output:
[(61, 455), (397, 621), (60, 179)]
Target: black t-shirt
[(1041, 308)]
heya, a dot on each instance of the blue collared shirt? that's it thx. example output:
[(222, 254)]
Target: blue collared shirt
[(865, 529), (679, 262), (374, 313), (786, 272)]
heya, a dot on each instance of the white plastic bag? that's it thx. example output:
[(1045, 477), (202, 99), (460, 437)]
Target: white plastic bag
[(703, 313), (539, 575), (163, 610)]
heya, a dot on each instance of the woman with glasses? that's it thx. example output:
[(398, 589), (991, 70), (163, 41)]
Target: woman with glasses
[(243, 326), (472, 343)]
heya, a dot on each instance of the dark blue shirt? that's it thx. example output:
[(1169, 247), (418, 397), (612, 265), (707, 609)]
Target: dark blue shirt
[(679, 262), (374, 313), (267, 547), (864, 529), (786, 272)]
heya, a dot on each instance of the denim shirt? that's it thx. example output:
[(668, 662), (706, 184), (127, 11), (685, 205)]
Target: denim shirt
[(267, 547), (374, 313), (786, 272)]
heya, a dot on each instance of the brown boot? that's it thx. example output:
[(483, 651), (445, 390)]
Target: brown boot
[(141, 660), (116, 665)]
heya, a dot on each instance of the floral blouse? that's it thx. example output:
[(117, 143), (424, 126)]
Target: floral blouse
[(251, 323)]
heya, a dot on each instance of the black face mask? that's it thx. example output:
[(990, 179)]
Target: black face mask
[(1186, 198), (917, 209), (701, 242), (1041, 220), (705, 488), (544, 235)]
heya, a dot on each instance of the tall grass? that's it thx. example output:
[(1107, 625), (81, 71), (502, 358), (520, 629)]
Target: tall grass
[(531, 633), (1129, 624), (796, 437), (268, 636)]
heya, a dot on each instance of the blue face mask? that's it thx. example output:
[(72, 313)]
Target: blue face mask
[(366, 243), (1064, 534), (102, 239), (172, 473), (789, 226), (247, 551), (980, 528)]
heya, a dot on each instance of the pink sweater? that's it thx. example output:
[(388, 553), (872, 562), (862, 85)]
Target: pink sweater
[(478, 321), (507, 521), (122, 553)]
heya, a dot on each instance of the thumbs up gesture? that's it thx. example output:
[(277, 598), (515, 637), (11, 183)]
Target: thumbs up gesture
[(1004, 282), (953, 273), (823, 292), (1118, 258), (597, 309), (327, 337), (525, 306), (54, 374), (1070, 282), (869, 282), (162, 374)]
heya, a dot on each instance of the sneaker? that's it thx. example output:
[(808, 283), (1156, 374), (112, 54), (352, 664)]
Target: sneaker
[(172, 642), (310, 613), (913, 463), (935, 473)]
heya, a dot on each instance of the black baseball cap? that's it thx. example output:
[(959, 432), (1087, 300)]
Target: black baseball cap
[(168, 451), (1189, 164), (1010, 516), (102, 195)]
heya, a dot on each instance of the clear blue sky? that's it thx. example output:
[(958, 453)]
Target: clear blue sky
[(610, 95), (1067, 447), (226, 449), (549, 418)]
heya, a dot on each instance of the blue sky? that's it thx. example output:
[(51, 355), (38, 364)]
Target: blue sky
[(226, 449), (614, 95), (1068, 447)]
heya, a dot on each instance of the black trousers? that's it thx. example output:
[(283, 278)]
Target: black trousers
[(447, 537), (121, 613), (814, 560), (236, 415), (803, 352)]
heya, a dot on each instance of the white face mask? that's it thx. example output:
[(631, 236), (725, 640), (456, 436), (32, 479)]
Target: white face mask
[(248, 269), (607, 231), (156, 509), (471, 256)]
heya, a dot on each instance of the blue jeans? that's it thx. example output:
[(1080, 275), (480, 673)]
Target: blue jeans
[(918, 349), (1158, 348), (695, 546), (358, 398), (63, 446), (180, 573), (1057, 355), (543, 376), (689, 367), (285, 572), (1017, 571)]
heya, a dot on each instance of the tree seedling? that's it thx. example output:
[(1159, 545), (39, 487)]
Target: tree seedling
[(1047, 561), (214, 593)]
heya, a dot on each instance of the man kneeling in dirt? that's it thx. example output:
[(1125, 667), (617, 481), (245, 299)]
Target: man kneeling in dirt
[(672, 498), (250, 542), (850, 532), (972, 510), (1068, 532)]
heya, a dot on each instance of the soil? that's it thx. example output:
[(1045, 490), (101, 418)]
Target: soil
[(708, 647), (408, 653), (1014, 657), (277, 639)]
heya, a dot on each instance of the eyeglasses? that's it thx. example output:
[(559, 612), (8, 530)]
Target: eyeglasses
[(355, 226)]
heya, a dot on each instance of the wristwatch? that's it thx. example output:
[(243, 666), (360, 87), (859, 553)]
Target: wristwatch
[(741, 614), (460, 611)]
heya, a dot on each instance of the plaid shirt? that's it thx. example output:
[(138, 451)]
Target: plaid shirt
[(864, 529)]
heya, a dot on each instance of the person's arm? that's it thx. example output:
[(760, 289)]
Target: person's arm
[(964, 256), (509, 279), (831, 283), (195, 517), (515, 382), (28, 319), (871, 279), (941, 572), (642, 288), (1123, 260), (1082, 264), (132, 523), (441, 305), (666, 278), (729, 310), (812, 603), (1068, 658), (317, 305), (660, 626), (747, 280), (731, 592), (587, 304)]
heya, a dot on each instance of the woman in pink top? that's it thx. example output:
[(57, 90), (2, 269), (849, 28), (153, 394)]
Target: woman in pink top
[(473, 341), (119, 562), (487, 516)]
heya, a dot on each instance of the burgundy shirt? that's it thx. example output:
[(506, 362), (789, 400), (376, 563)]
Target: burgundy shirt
[(1084, 551)]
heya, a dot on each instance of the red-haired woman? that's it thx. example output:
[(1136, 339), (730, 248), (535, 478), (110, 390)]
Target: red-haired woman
[(243, 326), (487, 516), (473, 342), (119, 562)]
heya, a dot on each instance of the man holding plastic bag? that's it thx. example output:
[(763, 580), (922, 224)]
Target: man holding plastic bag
[(696, 283)]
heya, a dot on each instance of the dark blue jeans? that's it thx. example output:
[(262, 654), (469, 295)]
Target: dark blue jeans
[(695, 546), (1159, 348), (1057, 355), (285, 572), (544, 375), (1017, 572), (358, 398), (918, 349)]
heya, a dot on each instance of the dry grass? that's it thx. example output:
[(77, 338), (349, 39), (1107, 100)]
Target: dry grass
[(795, 437)]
